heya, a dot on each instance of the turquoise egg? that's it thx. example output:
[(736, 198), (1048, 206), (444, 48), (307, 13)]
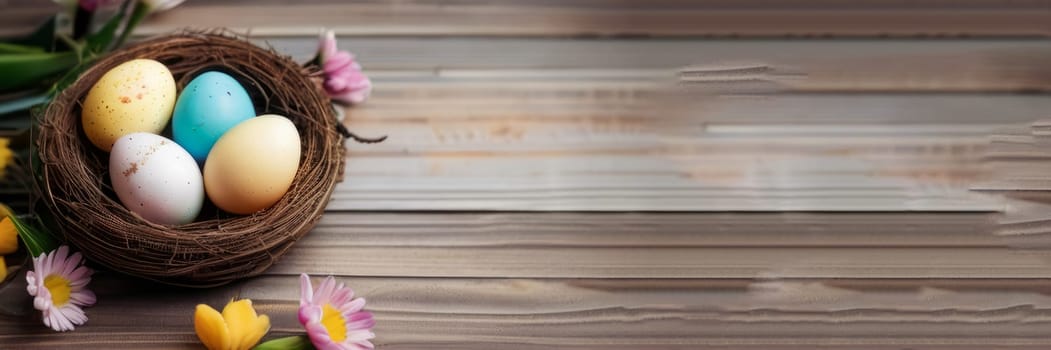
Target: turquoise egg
[(208, 106)]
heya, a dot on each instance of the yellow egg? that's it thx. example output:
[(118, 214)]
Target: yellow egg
[(253, 164), (135, 96)]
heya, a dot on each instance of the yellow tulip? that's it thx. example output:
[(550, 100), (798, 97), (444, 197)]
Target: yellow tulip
[(3, 269), (237, 328), (6, 156), (8, 236)]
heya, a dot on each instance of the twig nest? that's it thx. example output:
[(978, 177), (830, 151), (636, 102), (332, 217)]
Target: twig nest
[(218, 247)]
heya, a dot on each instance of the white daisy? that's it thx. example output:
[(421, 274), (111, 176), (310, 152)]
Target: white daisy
[(58, 282)]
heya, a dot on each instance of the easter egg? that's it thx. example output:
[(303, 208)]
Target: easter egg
[(157, 179), (208, 106), (135, 96), (252, 165)]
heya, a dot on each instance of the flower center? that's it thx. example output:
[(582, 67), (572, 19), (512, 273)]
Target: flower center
[(334, 323), (59, 288)]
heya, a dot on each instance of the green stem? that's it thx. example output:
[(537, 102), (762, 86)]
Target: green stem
[(140, 12), (77, 47), (296, 342)]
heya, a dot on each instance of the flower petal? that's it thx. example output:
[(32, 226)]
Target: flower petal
[(41, 265), (306, 291), (82, 275), (327, 44), (353, 306), (240, 319), (70, 264), (74, 314), (83, 297), (309, 314), (324, 290), (211, 329), (59, 322), (342, 295), (58, 259), (342, 60), (336, 84), (360, 320), (320, 338), (256, 331), (8, 236)]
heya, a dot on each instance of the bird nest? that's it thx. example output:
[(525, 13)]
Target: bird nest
[(73, 181)]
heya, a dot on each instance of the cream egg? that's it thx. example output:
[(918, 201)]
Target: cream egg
[(253, 164)]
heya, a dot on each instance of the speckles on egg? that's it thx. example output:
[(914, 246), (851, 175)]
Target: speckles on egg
[(131, 97), (156, 179)]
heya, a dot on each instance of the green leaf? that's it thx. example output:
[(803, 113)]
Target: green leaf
[(100, 41), (6, 48), (23, 103), (297, 342), (24, 70), (36, 241)]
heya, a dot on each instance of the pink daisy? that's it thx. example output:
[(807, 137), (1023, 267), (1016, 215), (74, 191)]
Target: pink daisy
[(333, 318), (58, 284), (344, 80)]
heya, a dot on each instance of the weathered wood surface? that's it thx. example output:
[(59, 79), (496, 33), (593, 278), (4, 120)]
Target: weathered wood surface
[(766, 310), (796, 18), (623, 18), (555, 179), (459, 313)]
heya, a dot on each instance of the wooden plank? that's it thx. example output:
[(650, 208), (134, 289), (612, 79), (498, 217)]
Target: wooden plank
[(614, 18), (629, 100), (799, 65), (582, 314), (810, 18), (623, 262), (628, 245), (592, 146), (653, 230)]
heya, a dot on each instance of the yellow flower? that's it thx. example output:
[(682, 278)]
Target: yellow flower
[(8, 236), (237, 328), (6, 156), (8, 241)]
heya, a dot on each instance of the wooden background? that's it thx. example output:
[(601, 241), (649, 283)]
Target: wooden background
[(588, 174)]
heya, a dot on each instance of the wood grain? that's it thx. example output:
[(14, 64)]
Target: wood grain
[(666, 174), (799, 65), (595, 145), (620, 18), (575, 313), (412, 245), (806, 18)]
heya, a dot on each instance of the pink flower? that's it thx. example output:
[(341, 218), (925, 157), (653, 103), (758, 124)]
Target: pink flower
[(92, 5), (334, 321), (59, 286), (344, 80)]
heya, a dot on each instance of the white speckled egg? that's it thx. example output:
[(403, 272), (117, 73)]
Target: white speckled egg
[(135, 96), (252, 166), (156, 178)]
